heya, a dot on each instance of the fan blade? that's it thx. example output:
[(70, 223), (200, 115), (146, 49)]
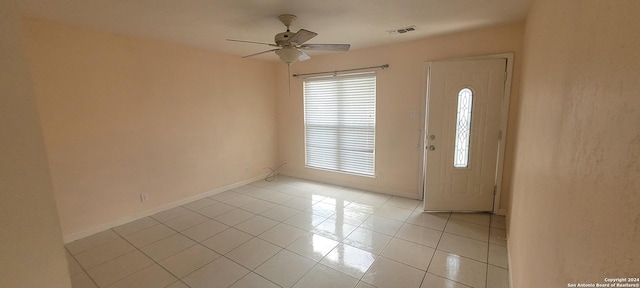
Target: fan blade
[(303, 56), (260, 53), (328, 47), (302, 36), (252, 42)]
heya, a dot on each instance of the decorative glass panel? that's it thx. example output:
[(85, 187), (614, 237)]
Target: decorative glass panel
[(463, 128)]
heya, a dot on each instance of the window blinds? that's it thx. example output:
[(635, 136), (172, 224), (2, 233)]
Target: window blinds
[(339, 115)]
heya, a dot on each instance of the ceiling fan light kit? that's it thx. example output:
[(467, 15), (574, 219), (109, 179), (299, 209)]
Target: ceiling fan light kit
[(290, 45), (288, 54)]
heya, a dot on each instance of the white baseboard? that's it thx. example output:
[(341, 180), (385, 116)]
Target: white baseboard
[(340, 184), (124, 220)]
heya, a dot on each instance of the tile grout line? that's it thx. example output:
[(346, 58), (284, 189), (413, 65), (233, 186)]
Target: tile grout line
[(435, 249), (200, 243), (111, 260), (339, 242), (153, 260), (394, 237), (454, 281), (81, 267), (134, 272), (486, 276), (177, 232)]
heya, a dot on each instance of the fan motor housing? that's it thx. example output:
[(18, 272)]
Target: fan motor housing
[(283, 38)]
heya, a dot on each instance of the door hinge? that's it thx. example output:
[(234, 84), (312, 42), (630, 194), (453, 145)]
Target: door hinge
[(500, 135)]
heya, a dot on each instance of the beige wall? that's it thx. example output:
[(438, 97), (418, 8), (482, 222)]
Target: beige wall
[(122, 116), (31, 251), (400, 89), (575, 213)]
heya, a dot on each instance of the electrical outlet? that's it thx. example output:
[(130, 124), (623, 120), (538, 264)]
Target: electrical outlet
[(144, 197)]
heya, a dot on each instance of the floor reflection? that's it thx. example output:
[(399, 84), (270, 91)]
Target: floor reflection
[(453, 266)]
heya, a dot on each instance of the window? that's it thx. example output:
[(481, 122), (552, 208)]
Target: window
[(463, 128), (339, 119)]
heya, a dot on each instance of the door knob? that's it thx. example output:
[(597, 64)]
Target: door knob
[(431, 148), (432, 137)]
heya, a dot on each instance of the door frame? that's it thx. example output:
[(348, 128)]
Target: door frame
[(504, 120)]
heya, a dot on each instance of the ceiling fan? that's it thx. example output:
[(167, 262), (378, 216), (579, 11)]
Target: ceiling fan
[(290, 45)]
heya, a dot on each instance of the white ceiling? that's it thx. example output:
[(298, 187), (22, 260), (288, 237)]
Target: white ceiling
[(207, 23)]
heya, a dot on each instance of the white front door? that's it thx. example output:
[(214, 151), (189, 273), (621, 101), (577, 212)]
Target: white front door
[(462, 133)]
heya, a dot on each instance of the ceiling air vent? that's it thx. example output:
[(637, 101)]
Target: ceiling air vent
[(403, 30)]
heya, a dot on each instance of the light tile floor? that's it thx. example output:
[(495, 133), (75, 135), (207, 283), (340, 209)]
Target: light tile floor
[(296, 233)]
